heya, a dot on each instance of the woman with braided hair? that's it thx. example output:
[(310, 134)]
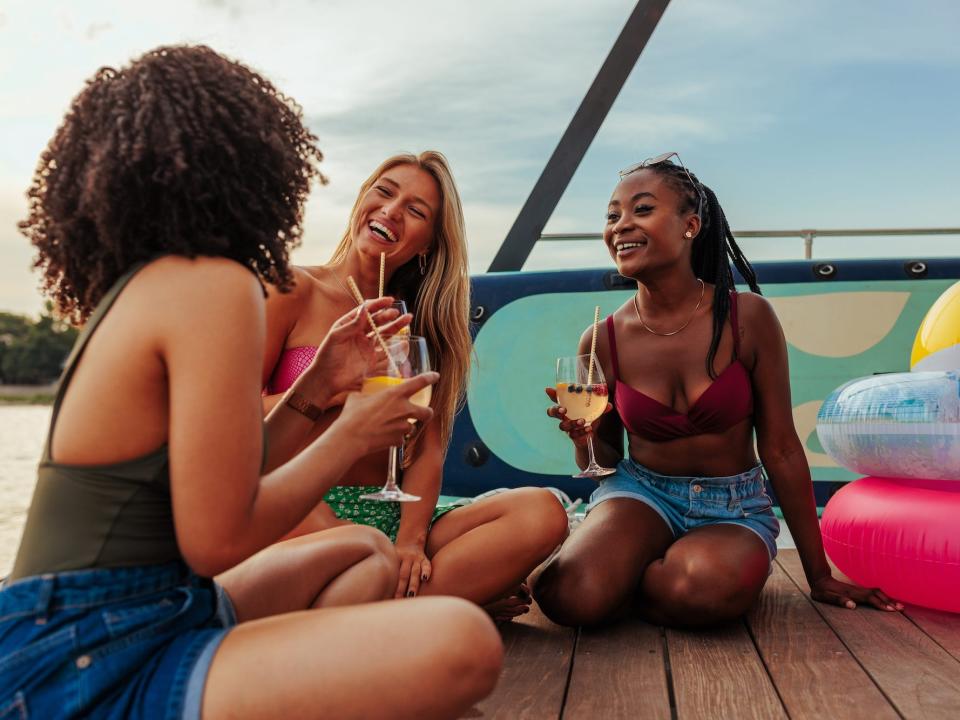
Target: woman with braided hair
[(684, 529)]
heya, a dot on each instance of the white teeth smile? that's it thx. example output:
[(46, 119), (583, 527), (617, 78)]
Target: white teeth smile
[(382, 230), (623, 247)]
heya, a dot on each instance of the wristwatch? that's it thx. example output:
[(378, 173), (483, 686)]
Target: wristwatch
[(303, 406)]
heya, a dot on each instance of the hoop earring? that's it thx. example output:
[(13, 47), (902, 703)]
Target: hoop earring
[(423, 264)]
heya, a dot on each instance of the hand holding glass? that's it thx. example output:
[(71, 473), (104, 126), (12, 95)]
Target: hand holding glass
[(584, 397), (408, 357)]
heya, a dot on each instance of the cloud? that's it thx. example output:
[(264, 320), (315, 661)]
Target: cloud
[(96, 29), (737, 86)]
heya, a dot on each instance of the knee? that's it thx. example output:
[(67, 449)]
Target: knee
[(542, 518), (472, 652), (379, 556), (574, 594), (702, 594), (371, 541)]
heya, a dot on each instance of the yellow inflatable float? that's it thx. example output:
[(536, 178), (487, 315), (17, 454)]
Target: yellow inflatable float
[(937, 345)]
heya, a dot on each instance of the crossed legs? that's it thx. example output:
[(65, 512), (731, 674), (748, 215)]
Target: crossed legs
[(340, 566), (484, 551), (420, 658)]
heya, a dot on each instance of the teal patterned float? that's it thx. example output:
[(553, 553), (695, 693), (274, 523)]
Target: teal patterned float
[(836, 330)]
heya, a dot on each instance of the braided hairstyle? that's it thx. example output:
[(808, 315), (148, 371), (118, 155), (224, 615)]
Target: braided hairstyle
[(714, 248), (181, 152)]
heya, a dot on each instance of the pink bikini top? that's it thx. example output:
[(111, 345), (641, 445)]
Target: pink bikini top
[(727, 401), (292, 362)]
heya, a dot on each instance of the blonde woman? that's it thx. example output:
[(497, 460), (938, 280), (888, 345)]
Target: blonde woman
[(409, 209)]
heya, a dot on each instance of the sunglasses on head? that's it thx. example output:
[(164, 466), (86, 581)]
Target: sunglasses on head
[(665, 157)]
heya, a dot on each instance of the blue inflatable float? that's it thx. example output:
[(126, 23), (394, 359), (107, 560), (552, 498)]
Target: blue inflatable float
[(899, 425)]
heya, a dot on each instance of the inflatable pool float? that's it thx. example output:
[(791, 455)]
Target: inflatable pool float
[(899, 535), (900, 425), (937, 345)]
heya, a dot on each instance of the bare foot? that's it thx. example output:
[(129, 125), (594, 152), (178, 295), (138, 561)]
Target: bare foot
[(510, 606)]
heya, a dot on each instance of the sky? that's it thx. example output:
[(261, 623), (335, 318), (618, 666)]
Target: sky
[(814, 114)]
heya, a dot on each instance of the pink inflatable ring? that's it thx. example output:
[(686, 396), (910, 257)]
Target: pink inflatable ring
[(902, 536)]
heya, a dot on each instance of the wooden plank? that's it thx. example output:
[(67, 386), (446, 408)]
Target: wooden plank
[(919, 677), (618, 672), (535, 670), (717, 674), (943, 627), (815, 675)]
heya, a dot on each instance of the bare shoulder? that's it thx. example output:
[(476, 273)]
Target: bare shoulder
[(755, 311), (193, 288), (201, 274), (303, 283)]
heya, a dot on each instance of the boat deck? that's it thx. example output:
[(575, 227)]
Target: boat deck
[(789, 658)]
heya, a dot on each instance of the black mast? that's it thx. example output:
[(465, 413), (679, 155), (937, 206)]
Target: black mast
[(561, 166)]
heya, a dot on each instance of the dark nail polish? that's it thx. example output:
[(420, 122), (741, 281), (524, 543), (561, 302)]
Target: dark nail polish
[(410, 593)]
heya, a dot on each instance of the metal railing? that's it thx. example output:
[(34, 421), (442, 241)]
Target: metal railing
[(806, 235)]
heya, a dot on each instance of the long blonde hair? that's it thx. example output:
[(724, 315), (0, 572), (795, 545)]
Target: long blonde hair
[(440, 298)]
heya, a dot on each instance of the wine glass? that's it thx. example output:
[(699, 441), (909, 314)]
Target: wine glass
[(407, 356), (401, 307), (582, 392)]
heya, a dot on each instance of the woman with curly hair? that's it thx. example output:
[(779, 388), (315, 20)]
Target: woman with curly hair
[(409, 211), (170, 194)]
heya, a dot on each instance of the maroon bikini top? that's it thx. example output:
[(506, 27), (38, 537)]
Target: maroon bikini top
[(727, 401)]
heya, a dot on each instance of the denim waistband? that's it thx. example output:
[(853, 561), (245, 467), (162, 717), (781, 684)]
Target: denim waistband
[(745, 484), (89, 588)]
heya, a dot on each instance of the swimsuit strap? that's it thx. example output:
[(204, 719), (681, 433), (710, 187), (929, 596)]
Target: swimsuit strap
[(734, 324), (613, 347)]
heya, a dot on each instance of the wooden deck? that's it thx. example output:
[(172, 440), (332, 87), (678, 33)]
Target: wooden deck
[(789, 658)]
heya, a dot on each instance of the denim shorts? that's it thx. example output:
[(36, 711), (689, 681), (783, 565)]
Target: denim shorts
[(131, 642), (686, 503)]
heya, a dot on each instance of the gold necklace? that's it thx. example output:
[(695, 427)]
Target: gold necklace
[(668, 334)]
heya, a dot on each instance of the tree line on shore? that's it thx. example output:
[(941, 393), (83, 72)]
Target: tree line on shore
[(32, 352)]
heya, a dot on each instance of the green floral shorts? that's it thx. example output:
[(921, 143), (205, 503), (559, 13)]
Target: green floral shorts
[(385, 516)]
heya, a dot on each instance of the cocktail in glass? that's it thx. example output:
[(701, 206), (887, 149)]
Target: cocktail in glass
[(582, 392), (407, 357)]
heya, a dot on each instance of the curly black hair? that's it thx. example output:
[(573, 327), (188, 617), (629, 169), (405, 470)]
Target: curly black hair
[(714, 248), (181, 152)]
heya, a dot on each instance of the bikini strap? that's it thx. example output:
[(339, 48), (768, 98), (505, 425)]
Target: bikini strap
[(613, 347), (734, 324)]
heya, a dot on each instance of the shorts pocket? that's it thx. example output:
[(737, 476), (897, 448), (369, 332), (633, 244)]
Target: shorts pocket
[(45, 649), (15, 709), (756, 505), (122, 621)]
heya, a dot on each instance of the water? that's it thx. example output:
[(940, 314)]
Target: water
[(23, 429)]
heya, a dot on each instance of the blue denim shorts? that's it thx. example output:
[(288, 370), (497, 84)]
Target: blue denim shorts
[(686, 503), (109, 643)]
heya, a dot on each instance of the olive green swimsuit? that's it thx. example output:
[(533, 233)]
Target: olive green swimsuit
[(97, 516)]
